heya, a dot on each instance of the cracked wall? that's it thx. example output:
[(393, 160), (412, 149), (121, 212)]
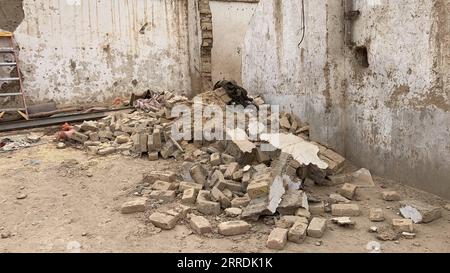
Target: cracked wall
[(393, 116)]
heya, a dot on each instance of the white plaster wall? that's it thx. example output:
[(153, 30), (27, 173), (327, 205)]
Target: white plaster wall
[(230, 23), (82, 51), (393, 117)]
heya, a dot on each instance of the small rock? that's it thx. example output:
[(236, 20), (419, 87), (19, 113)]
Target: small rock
[(343, 221), (319, 243), (373, 229), (21, 196), (6, 235)]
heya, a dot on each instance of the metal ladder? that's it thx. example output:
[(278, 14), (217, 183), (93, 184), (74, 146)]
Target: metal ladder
[(23, 111)]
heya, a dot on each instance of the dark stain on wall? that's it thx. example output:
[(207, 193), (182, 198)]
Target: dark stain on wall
[(11, 14)]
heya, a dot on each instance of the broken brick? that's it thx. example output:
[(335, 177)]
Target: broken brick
[(200, 224), (134, 206), (163, 221), (277, 239), (233, 228)]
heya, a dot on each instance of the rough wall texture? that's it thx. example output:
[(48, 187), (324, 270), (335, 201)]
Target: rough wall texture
[(230, 21), (79, 51), (11, 14), (394, 116)]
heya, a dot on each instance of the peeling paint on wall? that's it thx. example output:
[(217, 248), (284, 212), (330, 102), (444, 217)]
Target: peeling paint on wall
[(392, 116)]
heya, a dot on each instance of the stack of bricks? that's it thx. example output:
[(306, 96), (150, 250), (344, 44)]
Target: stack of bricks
[(207, 41)]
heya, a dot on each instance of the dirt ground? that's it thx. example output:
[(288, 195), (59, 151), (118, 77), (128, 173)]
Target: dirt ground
[(73, 200)]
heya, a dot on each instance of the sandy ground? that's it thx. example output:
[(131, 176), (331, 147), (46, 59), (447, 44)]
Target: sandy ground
[(73, 198)]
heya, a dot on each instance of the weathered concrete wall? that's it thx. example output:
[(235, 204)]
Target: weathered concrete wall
[(11, 14), (81, 51), (392, 117), (230, 22)]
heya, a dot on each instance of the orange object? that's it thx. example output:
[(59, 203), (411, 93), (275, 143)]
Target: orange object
[(118, 101)]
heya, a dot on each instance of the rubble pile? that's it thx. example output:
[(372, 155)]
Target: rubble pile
[(238, 178)]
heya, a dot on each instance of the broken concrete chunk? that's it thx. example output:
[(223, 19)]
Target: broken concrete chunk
[(163, 221), (345, 210), (291, 202), (317, 227), (419, 212), (275, 194), (304, 152), (134, 206), (343, 221), (362, 179), (200, 225), (277, 239), (255, 209), (233, 228)]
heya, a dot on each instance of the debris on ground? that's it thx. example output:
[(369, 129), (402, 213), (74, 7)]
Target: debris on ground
[(224, 186)]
